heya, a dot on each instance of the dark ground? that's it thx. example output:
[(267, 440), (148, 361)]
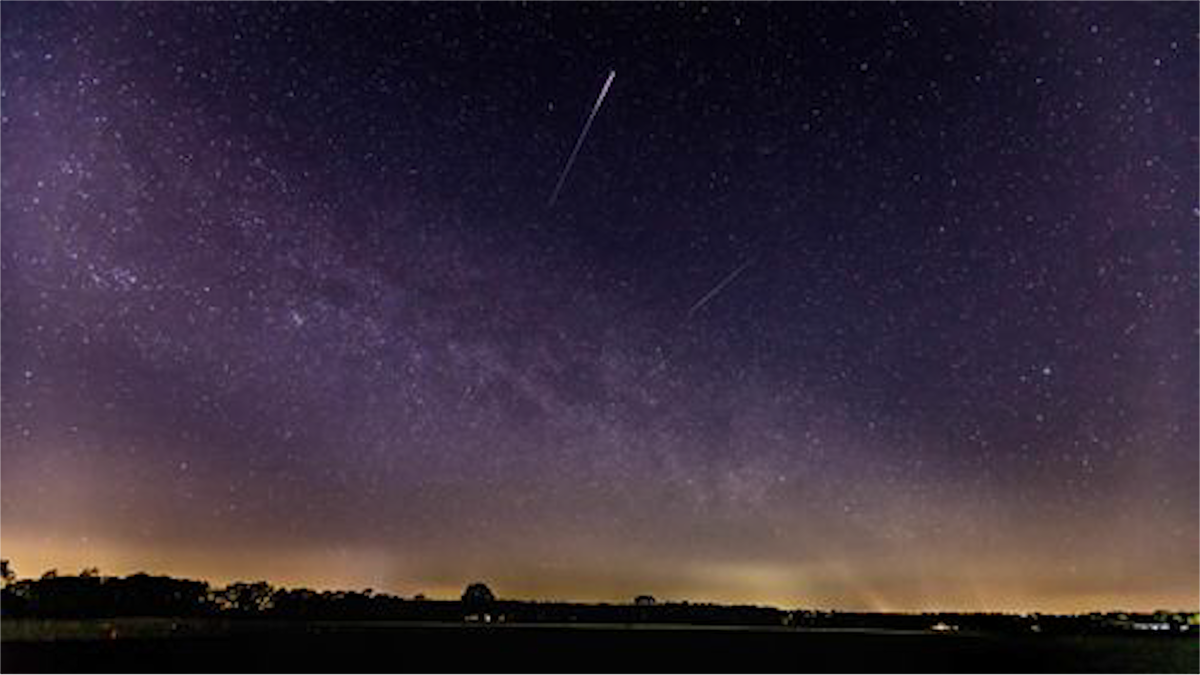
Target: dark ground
[(382, 647)]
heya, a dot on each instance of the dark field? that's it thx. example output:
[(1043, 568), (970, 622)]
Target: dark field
[(384, 646)]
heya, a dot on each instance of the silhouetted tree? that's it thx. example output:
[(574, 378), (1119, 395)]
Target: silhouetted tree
[(12, 595), (54, 596), (146, 595), (246, 598), (478, 594)]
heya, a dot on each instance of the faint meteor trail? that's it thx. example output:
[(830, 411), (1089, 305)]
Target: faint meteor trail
[(612, 74), (663, 357), (717, 289)]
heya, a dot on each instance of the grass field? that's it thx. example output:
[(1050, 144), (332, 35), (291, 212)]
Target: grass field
[(163, 645)]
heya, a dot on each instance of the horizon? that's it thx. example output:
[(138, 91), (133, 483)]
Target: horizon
[(878, 306), (452, 595)]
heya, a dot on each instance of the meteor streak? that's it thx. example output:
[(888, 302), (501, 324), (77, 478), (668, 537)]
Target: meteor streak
[(717, 289), (612, 74)]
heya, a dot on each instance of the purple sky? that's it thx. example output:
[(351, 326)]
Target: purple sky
[(283, 298)]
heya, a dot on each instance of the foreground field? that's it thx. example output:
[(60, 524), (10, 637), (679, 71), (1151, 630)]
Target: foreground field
[(197, 646)]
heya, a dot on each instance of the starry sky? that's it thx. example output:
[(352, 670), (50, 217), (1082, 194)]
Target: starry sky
[(878, 306)]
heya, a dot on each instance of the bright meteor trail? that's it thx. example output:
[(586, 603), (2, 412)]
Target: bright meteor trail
[(612, 74)]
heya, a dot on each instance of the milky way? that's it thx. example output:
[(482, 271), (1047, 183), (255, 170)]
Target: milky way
[(282, 299)]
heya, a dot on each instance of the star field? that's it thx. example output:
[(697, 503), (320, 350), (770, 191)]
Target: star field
[(282, 298)]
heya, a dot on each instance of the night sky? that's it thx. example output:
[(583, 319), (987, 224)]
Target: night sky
[(857, 306)]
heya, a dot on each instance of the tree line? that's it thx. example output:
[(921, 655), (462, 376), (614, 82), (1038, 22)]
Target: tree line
[(92, 595)]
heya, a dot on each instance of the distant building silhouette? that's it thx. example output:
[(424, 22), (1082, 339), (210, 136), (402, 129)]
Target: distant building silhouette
[(644, 600)]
